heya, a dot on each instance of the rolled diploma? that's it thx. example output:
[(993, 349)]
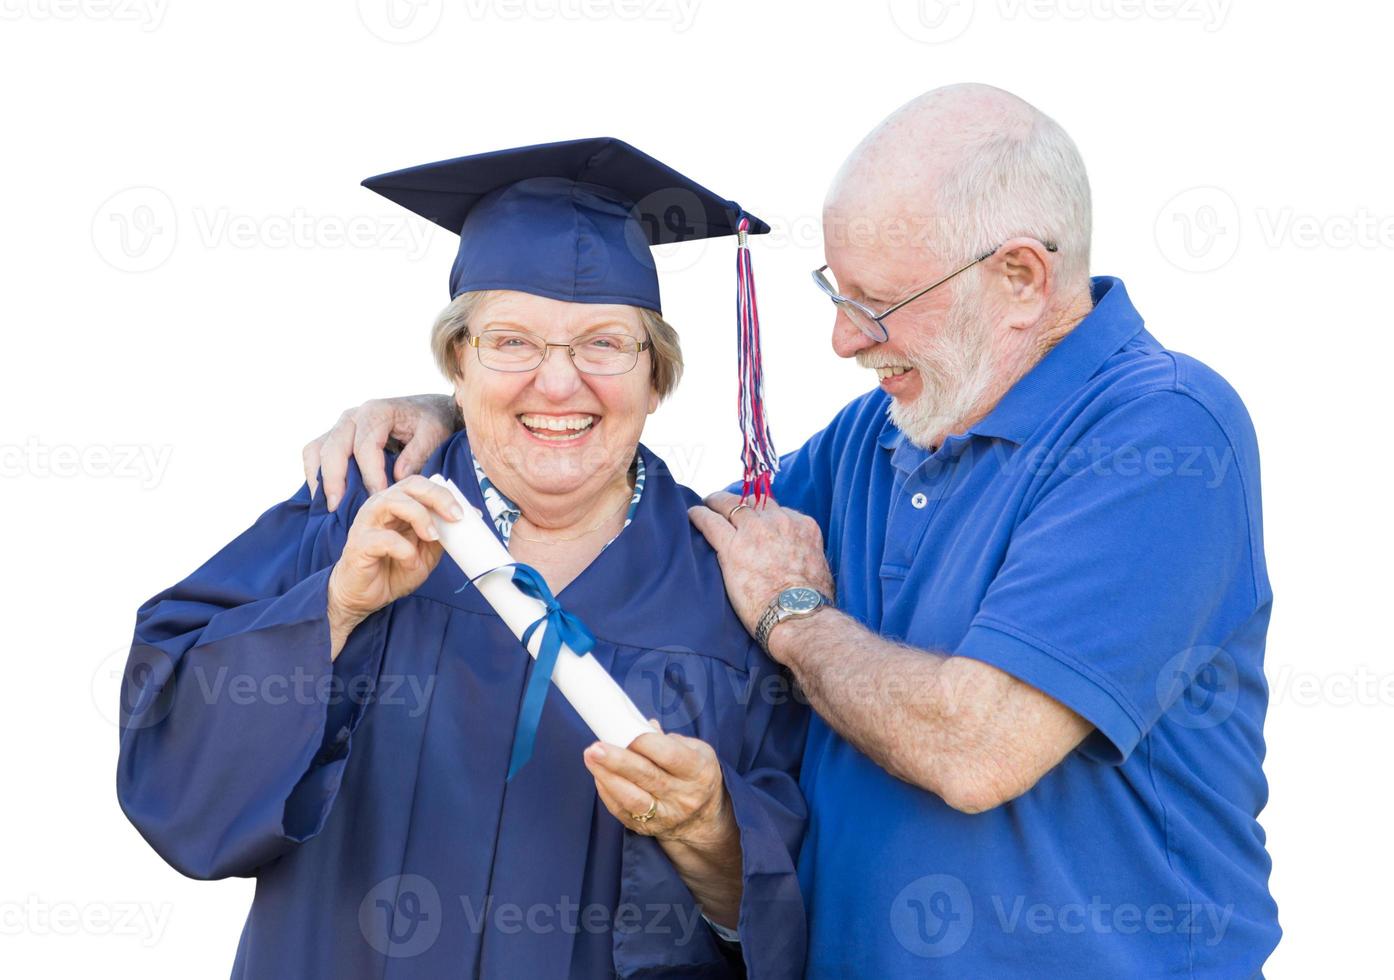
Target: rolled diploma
[(587, 686)]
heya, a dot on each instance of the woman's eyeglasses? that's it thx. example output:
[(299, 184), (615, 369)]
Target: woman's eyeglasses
[(516, 351)]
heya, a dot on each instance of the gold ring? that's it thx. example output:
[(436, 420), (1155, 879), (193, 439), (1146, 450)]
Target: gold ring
[(648, 814), (732, 516)]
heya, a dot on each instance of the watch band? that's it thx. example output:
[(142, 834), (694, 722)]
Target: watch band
[(776, 613), (767, 622)]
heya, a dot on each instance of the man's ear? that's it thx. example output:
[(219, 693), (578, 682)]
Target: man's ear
[(653, 399), (1028, 278)]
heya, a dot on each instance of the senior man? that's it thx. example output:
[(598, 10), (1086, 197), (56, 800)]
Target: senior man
[(1022, 584)]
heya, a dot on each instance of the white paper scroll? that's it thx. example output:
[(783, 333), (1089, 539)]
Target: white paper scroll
[(601, 703)]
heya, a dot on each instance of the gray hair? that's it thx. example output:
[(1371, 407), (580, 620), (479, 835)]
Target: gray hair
[(452, 327), (1026, 179)]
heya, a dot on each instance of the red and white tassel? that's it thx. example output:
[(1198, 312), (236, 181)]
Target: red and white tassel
[(758, 454)]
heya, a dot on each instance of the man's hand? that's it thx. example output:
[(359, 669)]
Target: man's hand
[(762, 551), (962, 729), (419, 422)]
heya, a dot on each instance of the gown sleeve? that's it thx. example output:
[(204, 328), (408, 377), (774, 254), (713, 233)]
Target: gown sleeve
[(770, 811), (761, 773), (235, 724)]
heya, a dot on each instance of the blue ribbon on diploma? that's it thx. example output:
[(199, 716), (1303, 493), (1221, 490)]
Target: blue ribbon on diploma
[(558, 627)]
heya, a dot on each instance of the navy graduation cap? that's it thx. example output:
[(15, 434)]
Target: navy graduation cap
[(574, 221)]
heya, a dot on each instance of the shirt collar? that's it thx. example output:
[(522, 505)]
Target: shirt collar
[(1069, 364), (1109, 325)]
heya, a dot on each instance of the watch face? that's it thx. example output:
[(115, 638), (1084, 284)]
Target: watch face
[(799, 600)]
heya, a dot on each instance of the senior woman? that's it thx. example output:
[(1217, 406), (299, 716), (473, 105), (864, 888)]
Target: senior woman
[(328, 706)]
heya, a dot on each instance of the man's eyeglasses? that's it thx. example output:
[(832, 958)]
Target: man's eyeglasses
[(517, 351), (867, 319)]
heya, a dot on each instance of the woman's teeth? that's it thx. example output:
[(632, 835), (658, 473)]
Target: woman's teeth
[(890, 372), (558, 428)]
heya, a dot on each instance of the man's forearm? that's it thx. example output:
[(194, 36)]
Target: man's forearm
[(949, 725), (863, 686)]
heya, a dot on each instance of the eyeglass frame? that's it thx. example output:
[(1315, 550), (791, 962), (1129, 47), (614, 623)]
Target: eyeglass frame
[(839, 300), (473, 341)]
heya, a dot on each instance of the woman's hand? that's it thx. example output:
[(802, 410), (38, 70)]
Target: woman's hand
[(682, 774), (678, 780), (392, 547)]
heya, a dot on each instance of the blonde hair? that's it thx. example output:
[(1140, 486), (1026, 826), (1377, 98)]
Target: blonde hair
[(452, 327)]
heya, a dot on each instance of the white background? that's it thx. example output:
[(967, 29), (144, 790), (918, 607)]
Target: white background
[(1239, 153)]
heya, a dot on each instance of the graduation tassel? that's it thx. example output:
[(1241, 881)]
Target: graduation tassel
[(758, 454)]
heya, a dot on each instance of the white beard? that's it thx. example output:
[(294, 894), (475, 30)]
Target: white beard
[(956, 373)]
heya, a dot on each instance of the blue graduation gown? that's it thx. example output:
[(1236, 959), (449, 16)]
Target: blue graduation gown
[(367, 795)]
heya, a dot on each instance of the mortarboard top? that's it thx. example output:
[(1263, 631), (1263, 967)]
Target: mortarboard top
[(571, 221), (574, 221)]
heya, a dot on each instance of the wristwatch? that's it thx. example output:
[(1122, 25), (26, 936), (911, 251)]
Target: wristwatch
[(794, 603)]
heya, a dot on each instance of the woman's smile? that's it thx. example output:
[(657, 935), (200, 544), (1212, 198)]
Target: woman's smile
[(569, 429)]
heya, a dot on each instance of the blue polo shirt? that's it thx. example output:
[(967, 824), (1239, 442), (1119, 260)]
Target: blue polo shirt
[(1098, 536)]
